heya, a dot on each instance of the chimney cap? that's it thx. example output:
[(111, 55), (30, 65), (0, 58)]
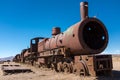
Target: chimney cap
[(84, 4)]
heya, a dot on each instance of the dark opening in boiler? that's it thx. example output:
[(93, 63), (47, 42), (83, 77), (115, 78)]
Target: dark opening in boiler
[(94, 35)]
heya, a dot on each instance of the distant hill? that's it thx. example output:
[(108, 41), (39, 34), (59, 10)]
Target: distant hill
[(7, 58), (116, 55)]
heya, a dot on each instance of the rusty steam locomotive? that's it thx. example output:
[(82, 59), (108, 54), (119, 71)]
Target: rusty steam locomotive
[(74, 51)]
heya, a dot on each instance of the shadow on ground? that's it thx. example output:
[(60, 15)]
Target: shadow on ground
[(115, 76)]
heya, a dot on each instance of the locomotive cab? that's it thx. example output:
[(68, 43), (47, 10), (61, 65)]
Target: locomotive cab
[(34, 44)]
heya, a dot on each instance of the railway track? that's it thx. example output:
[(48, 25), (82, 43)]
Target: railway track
[(12, 68)]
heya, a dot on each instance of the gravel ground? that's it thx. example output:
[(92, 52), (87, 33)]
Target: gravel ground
[(47, 74)]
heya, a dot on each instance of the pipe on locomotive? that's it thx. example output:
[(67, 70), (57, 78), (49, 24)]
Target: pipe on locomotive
[(88, 36), (84, 10)]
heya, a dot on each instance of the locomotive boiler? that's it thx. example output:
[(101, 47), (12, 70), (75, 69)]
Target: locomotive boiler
[(89, 36), (77, 50)]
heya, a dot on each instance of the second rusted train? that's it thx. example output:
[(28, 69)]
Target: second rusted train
[(77, 50)]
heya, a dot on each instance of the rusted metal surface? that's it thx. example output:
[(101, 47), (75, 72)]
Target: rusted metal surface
[(17, 58), (26, 53), (41, 46), (22, 55), (84, 10), (80, 39), (55, 31), (95, 65)]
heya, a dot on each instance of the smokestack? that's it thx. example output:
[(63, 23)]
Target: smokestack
[(55, 31), (84, 10)]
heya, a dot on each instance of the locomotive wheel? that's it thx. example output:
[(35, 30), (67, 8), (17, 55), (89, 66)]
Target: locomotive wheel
[(40, 65), (52, 66), (74, 69), (59, 66), (79, 69), (66, 67), (35, 64), (82, 72), (71, 67)]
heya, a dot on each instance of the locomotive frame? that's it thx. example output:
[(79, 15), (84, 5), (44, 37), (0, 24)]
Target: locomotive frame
[(60, 60)]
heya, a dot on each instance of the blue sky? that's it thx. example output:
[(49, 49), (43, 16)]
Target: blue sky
[(21, 20)]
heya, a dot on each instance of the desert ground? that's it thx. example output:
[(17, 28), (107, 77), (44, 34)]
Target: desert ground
[(47, 74)]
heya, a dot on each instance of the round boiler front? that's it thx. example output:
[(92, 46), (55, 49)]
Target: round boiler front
[(93, 35), (86, 37)]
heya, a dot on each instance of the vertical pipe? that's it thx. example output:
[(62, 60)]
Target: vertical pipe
[(55, 31), (84, 10)]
